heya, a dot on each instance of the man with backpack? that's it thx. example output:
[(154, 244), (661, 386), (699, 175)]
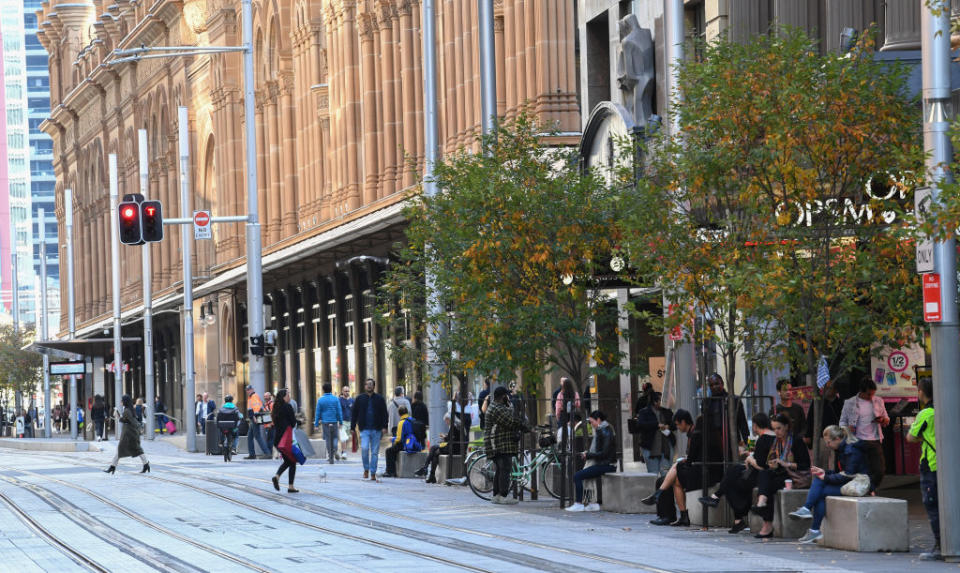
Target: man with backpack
[(405, 440)]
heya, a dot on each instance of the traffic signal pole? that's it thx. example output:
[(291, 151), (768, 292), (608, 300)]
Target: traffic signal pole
[(945, 335), (147, 280), (44, 320), (115, 265)]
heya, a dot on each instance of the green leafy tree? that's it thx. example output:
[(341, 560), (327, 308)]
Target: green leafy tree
[(777, 214), (511, 240), (19, 369)]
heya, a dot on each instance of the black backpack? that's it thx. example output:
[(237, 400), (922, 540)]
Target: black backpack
[(419, 430)]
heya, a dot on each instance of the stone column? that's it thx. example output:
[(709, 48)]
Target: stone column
[(352, 113), (288, 145), (272, 117), (389, 142), (499, 45), (371, 127), (418, 81), (398, 101), (520, 51), (407, 39), (263, 150), (508, 55), (308, 297)]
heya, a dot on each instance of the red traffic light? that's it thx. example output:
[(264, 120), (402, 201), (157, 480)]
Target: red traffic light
[(129, 212), (129, 223), (152, 217)]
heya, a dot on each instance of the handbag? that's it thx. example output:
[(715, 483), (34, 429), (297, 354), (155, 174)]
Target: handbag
[(344, 434), (801, 479), (296, 452), (632, 426), (859, 486)]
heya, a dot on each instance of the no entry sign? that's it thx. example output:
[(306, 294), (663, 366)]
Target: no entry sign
[(931, 298), (201, 225)]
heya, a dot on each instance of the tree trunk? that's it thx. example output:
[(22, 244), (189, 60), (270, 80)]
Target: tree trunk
[(732, 429), (817, 404)]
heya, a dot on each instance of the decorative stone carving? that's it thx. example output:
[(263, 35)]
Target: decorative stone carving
[(635, 73)]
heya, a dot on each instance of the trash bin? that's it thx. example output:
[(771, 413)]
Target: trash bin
[(213, 438)]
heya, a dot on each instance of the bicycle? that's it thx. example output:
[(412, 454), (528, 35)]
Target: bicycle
[(480, 472), (227, 431)]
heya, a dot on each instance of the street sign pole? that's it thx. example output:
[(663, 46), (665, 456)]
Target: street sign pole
[(945, 335), (190, 398), (115, 266)]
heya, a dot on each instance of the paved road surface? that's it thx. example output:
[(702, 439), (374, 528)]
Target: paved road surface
[(196, 513)]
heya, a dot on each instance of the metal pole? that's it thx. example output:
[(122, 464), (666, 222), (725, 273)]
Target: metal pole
[(436, 395), (189, 399), (685, 363), (71, 302), (147, 274), (115, 257), (254, 254), (16, 283), (945, 335), (488, 68), (44, 319)]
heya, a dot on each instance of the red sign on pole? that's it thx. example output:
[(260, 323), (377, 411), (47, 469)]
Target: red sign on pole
[(931, 298)]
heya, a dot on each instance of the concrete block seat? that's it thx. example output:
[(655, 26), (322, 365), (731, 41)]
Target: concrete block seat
[(784, 502), (622, 492), (456, 468), (409, 463), (720, 516), (866, 524)]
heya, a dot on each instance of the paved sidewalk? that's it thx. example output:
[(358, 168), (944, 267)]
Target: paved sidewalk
[(539, 529)]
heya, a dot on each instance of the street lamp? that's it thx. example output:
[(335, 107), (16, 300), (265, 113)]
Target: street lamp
[(254, 256)]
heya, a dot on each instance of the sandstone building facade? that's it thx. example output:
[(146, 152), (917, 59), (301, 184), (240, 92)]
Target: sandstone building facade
[(339, 117)]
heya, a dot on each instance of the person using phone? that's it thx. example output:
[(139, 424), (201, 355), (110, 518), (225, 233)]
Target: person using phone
[(865, 415)]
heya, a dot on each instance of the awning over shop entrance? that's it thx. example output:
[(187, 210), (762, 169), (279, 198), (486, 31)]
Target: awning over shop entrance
[(84, 347)]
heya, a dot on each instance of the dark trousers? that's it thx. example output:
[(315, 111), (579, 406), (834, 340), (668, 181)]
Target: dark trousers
[(287, 464), (589, 473), (501, 479), (392, 453), (768, 484), (928, 487), (738, 489), (665, 506), (433, 458), (875, 461)]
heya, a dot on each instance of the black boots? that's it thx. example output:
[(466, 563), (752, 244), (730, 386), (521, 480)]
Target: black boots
[(683, 520), (652, 498), (146, 468), (110, 470)]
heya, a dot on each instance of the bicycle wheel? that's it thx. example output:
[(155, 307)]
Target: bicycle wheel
[(550, 473), (480, 476), (226, 448)]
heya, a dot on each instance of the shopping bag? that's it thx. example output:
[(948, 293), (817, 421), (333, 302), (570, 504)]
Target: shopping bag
[(344, 434), (285, 446), (297, 452), (171, 427)]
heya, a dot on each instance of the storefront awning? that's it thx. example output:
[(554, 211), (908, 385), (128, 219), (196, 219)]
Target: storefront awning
[(83, 347)]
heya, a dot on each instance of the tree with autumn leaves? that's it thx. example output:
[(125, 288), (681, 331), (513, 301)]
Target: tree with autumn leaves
[(777, 215), (20, 370), (509, 242)]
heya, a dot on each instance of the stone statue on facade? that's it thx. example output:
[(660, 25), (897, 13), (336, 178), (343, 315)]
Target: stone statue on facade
[(635, 73)]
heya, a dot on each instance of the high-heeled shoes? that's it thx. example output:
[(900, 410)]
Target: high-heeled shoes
[(110, 470), (146, 468)]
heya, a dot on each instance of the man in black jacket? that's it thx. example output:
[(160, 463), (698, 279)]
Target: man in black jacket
[(370, 416), (603, 452), (656, 435)]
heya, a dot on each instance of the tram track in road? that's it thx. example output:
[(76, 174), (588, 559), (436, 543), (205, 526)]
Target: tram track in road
[(34, 525), (150, 556), (159, 528)]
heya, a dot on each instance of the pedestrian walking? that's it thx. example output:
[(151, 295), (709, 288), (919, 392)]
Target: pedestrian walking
[(850, 459), (285, 420), (603, 453), (370, 417), (267, 428), (923, 431), (329, 414), (255, 416), (159, 414), (865, 415), (98, 413), (501, 440), (129, 444), (138, 410), (346, 436)]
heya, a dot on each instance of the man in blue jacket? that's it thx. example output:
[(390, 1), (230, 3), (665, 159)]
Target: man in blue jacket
[(370, 416), (329, 413)]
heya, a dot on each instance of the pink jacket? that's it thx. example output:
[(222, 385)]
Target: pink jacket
[(559, 405)]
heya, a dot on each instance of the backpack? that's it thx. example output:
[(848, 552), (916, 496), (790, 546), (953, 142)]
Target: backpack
[(412, 441)]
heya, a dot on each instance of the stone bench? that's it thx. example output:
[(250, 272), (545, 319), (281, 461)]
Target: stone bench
[(622, 492), (784, 502), (409, 463), (456, 468), (720, 516), (866, 524)]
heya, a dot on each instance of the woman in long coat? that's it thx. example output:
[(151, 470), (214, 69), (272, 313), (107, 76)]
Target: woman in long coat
[(284, 419), (129, 446)]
